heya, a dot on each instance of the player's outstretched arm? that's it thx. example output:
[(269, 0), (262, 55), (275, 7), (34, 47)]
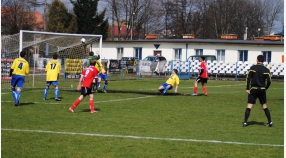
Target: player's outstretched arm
[(176, 89)]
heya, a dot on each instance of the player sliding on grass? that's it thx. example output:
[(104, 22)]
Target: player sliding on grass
[(174, 79), (84, 85), (202, 77)]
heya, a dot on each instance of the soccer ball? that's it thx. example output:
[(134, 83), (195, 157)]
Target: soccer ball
[(83, 40)]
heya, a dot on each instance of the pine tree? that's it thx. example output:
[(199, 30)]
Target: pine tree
[(88, 20), (59, 20), (72, 25)]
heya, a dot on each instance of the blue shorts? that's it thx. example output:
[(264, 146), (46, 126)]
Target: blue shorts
[(54, 83), (17, 80), (103, 76), (165, 85)]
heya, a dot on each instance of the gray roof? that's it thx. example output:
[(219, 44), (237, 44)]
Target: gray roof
[(212, 41)]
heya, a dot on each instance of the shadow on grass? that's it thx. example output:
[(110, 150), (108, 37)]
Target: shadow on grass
[(88, 110), (255, 123), (26, 103), (52, 98), (141, 92)]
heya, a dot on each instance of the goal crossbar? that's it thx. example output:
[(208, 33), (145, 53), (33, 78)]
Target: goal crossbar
[(54, 33)]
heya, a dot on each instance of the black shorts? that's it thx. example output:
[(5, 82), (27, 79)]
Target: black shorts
[(203, 80), (85, 91), (257, 93)]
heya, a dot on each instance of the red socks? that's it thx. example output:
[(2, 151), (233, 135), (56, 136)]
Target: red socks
[(195, 90), (75, 104), (77, 101), (205, 89), (91, 105)]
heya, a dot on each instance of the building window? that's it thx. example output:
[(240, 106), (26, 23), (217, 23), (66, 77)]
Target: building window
[(138, 53), (267, 56), (119, 52), (243, 55), (220, 55), (178, 53), (199, 51)]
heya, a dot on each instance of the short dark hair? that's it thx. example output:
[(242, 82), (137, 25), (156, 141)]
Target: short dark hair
[(203, 58), (176, 71), (55, 56), (22, 54), (92, 62), (91, 53), (260, 58)]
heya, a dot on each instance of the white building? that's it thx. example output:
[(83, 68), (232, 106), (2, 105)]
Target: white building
[(181, 49)]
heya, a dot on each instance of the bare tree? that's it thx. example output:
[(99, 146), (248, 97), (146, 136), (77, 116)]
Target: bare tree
[(16, 15), (272, 9), (202, 18), (140, 16)]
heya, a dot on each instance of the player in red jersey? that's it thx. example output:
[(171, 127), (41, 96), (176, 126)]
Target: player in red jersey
[(84, 85), (202, 77)]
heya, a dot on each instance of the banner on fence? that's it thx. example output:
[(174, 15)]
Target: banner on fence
[(145, 66), (114, 66), (128, 65), (6, 64), (160, 66), (42, 63), (74, 67)]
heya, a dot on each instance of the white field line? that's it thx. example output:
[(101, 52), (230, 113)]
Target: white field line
[(141, 137), (200, 86), (180, 87), (104, 101)]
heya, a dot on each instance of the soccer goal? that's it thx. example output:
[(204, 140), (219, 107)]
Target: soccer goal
[(72, 50)]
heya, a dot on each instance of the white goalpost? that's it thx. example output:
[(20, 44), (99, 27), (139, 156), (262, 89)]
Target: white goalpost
[(40, 46)]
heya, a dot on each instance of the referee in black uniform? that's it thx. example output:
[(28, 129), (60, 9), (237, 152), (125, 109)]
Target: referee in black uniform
[(258, 81)]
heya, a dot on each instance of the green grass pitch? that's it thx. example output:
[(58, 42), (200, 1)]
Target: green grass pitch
[(135, 121)]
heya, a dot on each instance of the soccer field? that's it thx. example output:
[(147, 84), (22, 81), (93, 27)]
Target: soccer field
[(135, 121)]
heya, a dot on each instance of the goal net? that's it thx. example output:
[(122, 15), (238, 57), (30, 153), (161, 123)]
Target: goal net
[(72, 50)]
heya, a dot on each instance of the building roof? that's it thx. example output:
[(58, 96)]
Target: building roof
[(39, 20), (210, 41), (123, 30)]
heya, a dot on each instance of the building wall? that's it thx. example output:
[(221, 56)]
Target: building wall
[(109, 50)]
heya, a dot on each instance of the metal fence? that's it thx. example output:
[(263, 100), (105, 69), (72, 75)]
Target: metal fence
[(132, 68)]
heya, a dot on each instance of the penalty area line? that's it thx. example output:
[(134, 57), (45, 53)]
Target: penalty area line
[(103, 101), (141, 137)]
